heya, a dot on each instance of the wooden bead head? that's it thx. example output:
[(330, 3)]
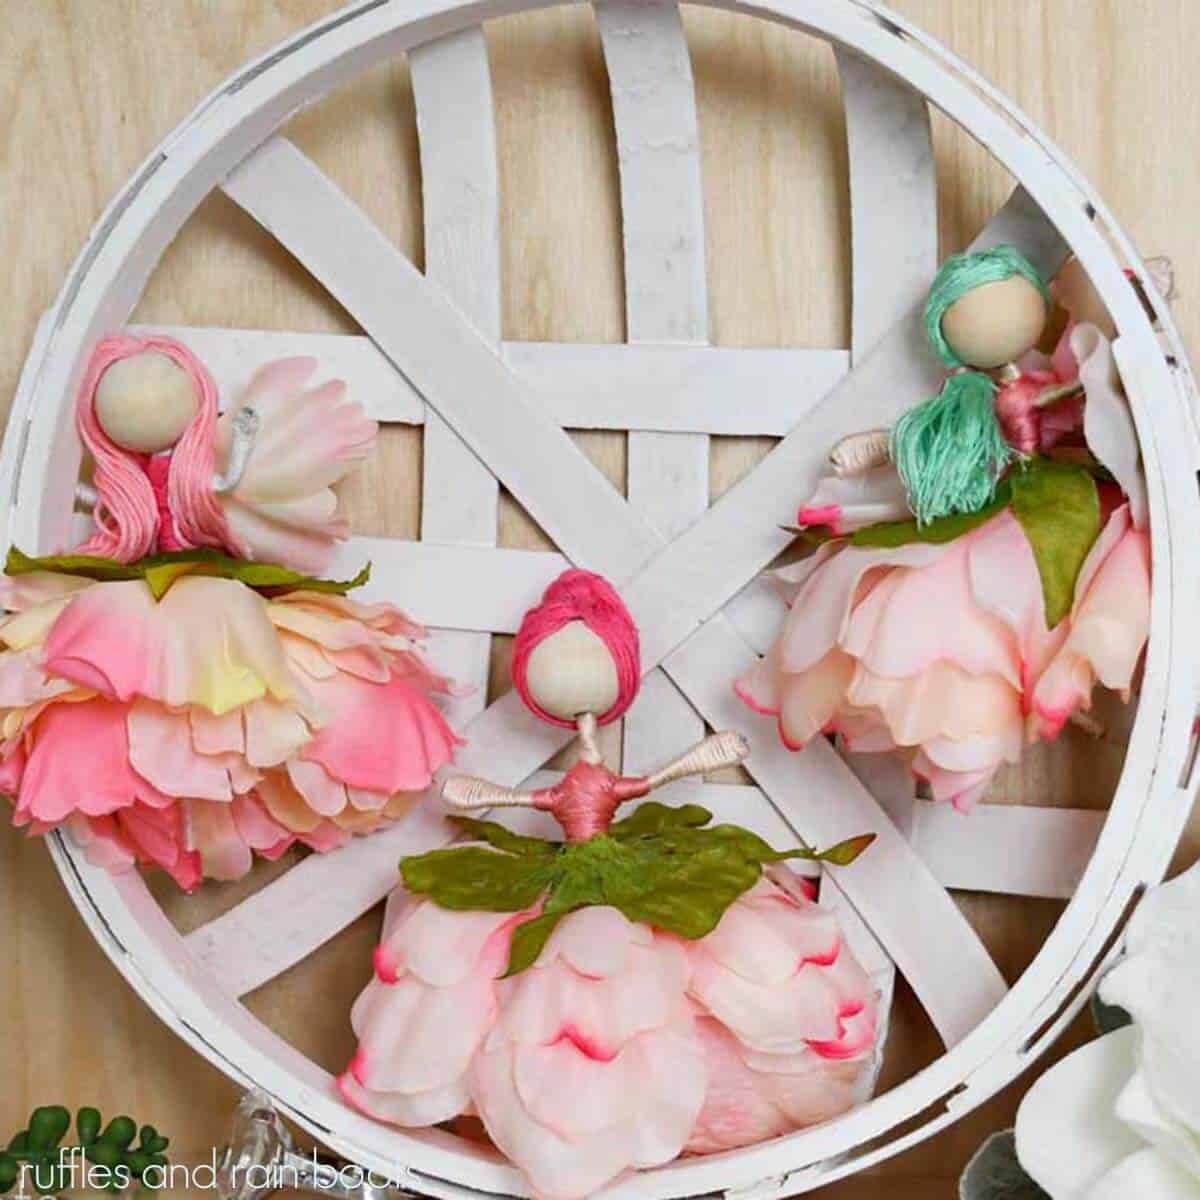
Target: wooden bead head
[(572, 672), (145, 402), (995, 324), (987, 309)]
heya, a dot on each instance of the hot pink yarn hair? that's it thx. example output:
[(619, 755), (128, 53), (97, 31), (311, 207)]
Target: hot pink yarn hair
[(581, 596), (126, 515)]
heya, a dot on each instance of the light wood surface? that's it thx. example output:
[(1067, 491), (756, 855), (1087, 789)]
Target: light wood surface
[(88, 87)]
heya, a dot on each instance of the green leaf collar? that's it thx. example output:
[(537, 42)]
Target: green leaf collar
[(160, 571), (662, 866)]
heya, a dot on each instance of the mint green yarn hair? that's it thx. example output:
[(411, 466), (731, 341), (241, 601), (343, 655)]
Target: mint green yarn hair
[(950, 451)]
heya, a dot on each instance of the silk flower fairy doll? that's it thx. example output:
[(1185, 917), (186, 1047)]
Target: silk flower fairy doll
[(988, 561), (648, 987), (167, 695)]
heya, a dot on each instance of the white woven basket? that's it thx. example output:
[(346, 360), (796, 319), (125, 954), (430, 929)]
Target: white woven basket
[(434, 351)]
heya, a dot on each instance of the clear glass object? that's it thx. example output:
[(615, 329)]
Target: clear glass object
[(260, 1159)]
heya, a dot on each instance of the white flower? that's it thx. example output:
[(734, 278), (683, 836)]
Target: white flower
[(1120, 1119)]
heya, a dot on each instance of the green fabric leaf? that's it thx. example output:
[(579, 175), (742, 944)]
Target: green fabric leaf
[(1079, 456), (888, 535), (598, 871), (160, 571), (686, 887), (87, 565), (528, 941), (653, 818), (660, 865), (844, 853), (473, 879), (1058, 506), (503, 838), (750, 845), (812, 535), (261, 576)]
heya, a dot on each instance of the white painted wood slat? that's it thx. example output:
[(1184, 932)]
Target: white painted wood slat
[(449, 585), (460, 182), (653, 387), (261, 177), (893, 198), (679, 388), (1010, 849), (894, 254), (666, 299)]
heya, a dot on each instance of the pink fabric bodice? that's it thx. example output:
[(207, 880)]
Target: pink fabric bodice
[(1033, 430), (584, 800), (158, 471)]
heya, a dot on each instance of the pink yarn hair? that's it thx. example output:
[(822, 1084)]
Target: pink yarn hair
[(126, 515), (581, 596)]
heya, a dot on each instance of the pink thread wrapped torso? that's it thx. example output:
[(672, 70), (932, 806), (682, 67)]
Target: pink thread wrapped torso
[(585, 799), (158, 471)]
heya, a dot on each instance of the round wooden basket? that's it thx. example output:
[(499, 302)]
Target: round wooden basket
[(494, 413)]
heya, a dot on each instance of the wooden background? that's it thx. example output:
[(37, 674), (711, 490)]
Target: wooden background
[(88, 87)]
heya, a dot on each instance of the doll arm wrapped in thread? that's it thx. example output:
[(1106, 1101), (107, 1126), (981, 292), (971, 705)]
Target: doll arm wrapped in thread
[(719, 750)]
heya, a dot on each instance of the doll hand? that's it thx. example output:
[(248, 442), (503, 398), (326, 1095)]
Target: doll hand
[(861, 452), (730, 747), (246, 423)]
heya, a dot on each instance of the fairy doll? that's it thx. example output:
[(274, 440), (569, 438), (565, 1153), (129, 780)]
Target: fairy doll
[(983, 564), (645, 988), (147, 415), (179, 692), (985, 313)]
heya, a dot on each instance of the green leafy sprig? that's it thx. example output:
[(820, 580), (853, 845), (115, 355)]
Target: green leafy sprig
[(660, 866), (40, 1147), (161, 570)]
